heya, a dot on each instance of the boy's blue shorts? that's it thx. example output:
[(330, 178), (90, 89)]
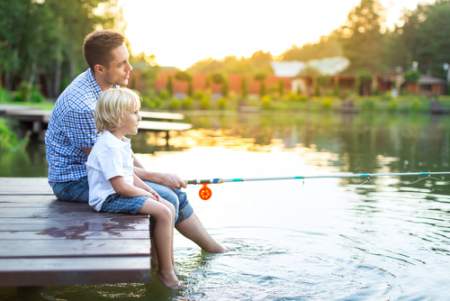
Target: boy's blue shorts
[(78, 191), (116, 203)]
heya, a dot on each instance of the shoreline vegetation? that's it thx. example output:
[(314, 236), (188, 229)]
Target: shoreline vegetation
[(205, 102), (289, 102)]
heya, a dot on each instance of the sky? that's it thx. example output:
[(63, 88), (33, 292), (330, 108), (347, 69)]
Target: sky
[(181, 32)]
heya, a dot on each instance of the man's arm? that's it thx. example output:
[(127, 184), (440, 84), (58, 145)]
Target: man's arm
[(170, 180), (87, 151)]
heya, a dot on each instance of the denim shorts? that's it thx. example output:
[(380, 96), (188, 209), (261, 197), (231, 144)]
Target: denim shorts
[(73, 191), (177, 197), (116, 203), (78, 191)]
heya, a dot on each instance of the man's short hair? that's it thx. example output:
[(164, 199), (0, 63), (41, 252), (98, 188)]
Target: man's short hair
[(98, 45), (112, 106)]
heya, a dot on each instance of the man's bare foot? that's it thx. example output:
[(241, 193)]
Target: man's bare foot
[(169, 279), (216, 248)]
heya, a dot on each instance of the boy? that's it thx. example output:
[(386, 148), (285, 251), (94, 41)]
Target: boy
[(113, 184)]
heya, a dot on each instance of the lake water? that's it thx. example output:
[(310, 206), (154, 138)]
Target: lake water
[(328, 239)]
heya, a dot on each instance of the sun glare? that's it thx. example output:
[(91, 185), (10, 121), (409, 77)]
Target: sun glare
[(179, 33)]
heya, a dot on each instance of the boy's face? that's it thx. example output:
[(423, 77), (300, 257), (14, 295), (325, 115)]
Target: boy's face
[(130, 122), (119, 70)]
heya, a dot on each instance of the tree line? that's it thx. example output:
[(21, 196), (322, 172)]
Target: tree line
[(421, 39), (40, 43), (40, 40)]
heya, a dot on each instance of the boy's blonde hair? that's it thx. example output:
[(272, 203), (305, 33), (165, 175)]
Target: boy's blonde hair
[(112, 106)]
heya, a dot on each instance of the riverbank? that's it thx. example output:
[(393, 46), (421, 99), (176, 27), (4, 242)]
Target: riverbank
[(294, 102)]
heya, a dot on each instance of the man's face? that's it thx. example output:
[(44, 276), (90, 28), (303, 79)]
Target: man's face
[(119, 70)]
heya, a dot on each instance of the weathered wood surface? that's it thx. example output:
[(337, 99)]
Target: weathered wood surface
[(37, 119), (163, 126), (45, 242), (152, 115)]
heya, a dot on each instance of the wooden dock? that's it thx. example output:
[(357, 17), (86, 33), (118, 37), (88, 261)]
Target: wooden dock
[(46, 242), (36, 120)]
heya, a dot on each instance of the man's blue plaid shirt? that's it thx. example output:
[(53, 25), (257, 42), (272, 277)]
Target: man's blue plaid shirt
[(71, 128)]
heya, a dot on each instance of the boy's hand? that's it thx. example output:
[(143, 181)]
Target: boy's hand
[(153, 194)]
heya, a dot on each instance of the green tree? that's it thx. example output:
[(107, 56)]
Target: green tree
[(47, 36), (361, 37), (169, 85), (261, 78), (328, 46), (186, 77)]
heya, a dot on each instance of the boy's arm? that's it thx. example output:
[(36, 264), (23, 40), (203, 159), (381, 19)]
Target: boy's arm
[(124, 189), (139, 183)]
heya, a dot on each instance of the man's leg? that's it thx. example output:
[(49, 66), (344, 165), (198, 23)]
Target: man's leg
[(187, 222), (73, 191), (193, 229)]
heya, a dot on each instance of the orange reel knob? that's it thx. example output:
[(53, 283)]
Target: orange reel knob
[(205, 193)]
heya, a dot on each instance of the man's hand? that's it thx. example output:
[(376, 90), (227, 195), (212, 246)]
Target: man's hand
[(171, 180)]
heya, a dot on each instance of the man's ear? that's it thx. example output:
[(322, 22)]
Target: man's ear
[(99, 68)]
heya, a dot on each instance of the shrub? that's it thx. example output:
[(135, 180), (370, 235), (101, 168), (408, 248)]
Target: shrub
[(418, 105), (151, 103), (326, 103), (266, 102), (164, 94), (367, 104), (392, 105), (8, 140), (187, 103), (174, 104), (205, 102), (36, 96), (222, 103), (23, 93), (5, 96), (412, 76)]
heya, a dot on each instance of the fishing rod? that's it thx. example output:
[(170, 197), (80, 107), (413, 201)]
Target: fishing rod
[(205, 192)]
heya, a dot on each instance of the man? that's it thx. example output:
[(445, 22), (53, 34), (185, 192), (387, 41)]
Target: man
[(71, 134)]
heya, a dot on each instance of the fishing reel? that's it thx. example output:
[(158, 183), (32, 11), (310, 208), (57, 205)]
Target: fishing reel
[(205, 192)]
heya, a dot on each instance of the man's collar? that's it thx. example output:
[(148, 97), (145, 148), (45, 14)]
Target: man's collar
[(92, 82)]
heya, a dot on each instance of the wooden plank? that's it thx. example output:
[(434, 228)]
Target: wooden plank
[(86, 235), (73, 248), (9, 107), (161, 115), (162, 126), (29, 114), (67, 271), (49, 213), (25, 186), (61, 226), (44, 241)]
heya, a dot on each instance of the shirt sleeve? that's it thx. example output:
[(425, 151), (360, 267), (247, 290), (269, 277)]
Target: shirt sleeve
[(111, 163), (80, 128)]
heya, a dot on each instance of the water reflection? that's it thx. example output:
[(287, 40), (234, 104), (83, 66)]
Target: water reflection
[(322, 239)]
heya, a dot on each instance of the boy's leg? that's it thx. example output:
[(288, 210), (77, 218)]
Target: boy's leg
[(187, 221), (172, 210), (167, 194), (163, 238)]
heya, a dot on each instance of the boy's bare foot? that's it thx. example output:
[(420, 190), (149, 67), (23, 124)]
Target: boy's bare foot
[(154, 263), (170, 280)]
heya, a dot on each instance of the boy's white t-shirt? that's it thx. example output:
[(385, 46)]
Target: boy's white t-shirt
[(110, 157)]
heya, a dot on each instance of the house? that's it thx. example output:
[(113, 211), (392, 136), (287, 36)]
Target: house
[(426, 85)]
